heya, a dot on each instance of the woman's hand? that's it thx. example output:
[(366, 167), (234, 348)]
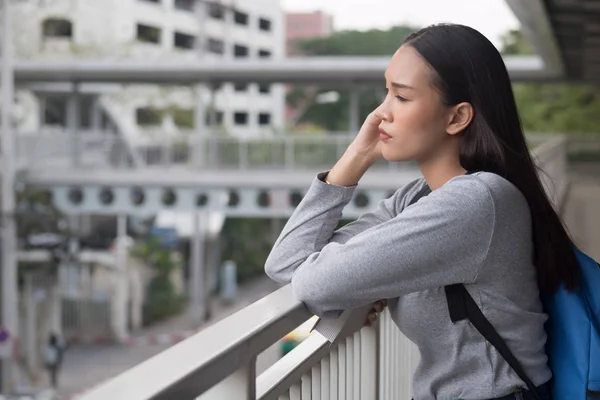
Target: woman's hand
[(378, 307), (367, 143), (364, 150)]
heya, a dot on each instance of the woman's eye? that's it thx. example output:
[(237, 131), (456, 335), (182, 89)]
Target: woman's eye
[(400, 98)]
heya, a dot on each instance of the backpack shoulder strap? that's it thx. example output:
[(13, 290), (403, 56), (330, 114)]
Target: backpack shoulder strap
[(462, 306)]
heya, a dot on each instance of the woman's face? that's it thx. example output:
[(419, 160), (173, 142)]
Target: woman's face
[(414, 117)]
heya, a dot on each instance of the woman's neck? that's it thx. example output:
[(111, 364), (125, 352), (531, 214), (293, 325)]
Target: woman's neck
[(440, 171)]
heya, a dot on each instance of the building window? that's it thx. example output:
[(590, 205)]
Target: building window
[(264, 54), (183, 118), (240, 51), (264, 119), (216, 10), (216, 46), (147, 116), (240, 118), (240, 18), (57, 28), (186, 5), (264, 24), (55, 111), (183, 41), (240, 87), (217, 115), (148, 34), (264, 89)]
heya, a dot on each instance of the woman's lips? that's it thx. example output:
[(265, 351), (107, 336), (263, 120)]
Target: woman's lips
[(383, 136)]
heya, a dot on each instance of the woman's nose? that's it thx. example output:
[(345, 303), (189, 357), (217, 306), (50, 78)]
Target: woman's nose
[(384, 113)]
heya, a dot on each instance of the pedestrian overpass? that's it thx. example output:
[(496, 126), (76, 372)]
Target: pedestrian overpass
[(219, 362)]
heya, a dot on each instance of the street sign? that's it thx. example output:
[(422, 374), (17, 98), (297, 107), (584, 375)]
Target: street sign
[(5, 344)]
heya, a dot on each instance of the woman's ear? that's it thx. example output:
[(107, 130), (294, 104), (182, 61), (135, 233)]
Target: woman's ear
[(460, 117)]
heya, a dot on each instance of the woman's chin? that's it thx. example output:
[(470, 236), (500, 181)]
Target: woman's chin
[(391, 157)]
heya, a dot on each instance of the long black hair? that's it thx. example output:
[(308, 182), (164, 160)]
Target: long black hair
[(466, 67)]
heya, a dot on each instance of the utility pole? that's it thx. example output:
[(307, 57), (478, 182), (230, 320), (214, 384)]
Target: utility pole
[(8, 257)]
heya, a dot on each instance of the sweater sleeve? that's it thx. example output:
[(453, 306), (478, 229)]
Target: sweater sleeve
[(313, 223), (440, 240)]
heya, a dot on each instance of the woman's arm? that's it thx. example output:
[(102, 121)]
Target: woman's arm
[(312, 224), (443, 239)]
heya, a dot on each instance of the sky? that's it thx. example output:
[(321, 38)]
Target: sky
[(490, 17)]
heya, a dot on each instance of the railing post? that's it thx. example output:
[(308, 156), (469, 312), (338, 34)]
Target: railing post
[(369, 362), (243, 154), (289, 153), (241, 385)]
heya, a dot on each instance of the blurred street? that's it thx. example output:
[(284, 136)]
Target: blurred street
[(88, 365)]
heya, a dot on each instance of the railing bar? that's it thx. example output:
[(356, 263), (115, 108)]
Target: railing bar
[(296, 392), (289, 369), (369, 364), (342, 371), (357, 372), (396, 370), (333, 374), (306, 387), (316, 382), (383, 356), (325, 377), (349, 367)]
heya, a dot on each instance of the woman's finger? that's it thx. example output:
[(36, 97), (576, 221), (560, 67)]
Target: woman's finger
[(371, 318), (379, 306)]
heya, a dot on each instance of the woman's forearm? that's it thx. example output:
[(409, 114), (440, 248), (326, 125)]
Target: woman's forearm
[(349, 169)]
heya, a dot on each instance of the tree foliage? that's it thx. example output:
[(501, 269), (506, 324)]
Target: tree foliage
[(162, 298), (335, 117), (553, 107), (544, 107)]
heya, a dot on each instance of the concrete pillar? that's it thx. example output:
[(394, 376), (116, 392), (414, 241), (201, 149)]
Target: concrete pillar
[(42, 112), (212, 122), (9, 306), (121, 284), (200, 150), (74, 125), (354, 111), (197, 273), (137, 298), (30, 335), (96, 115), (200, 157)]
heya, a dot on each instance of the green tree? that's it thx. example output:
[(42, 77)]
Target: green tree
[(553, 107), (162, 298)]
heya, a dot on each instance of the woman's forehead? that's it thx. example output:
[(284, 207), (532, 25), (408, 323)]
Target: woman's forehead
[(407, 67)]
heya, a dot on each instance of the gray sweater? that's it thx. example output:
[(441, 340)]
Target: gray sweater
[(475, 229)]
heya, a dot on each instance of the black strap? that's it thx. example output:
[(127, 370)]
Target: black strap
[(462, 306)]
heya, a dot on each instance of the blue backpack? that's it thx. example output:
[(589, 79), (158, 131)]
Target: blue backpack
[(573, 329)]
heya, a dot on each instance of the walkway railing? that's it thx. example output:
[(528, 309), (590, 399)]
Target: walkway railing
[(220, 362), (106, 150), (94, 149)]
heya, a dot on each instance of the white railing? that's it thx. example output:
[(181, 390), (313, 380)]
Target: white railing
[(59, 149), (220, 362), (104, 150)]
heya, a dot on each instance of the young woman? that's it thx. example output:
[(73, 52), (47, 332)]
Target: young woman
[(481, 218)]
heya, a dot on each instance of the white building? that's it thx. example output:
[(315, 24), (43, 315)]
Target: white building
[(150, 30)]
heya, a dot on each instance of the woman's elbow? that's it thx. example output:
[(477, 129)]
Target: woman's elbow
[(315, 298), (276, 270)]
